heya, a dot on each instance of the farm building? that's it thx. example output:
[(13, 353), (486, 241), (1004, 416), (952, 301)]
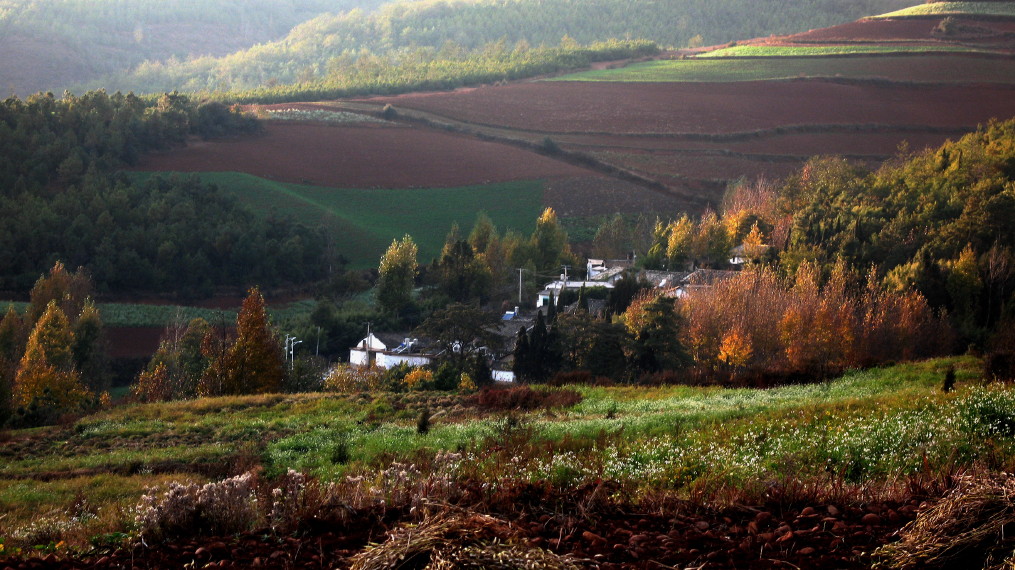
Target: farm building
[(556, 287), (373, 349)]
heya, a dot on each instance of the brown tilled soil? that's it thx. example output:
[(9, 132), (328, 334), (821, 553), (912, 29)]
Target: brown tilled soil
[(637, 108), (363, 157), (809, 536)]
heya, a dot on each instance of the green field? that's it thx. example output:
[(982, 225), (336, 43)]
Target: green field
[(946, 8), (867, 428), (364, 222), (147, 315), (906, 69), (803, 51)]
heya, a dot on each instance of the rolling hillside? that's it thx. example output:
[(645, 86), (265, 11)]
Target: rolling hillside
[(231, 45)]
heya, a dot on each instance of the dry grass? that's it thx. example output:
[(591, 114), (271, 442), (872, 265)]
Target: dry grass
[(453, 538), (971, 527)]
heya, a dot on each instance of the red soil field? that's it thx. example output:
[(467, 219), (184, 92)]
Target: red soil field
[(133, 342), (593, 107), (702, 166), (797, 144), (904, 29), (362, 157)]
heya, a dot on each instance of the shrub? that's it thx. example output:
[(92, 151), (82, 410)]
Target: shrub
[(418, 379), (347, 378), (297, 498), (524, 398), (226, 507), (423, 423), (999, 366)]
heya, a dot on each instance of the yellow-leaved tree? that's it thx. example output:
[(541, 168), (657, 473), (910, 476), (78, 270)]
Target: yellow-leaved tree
[(46, 374)]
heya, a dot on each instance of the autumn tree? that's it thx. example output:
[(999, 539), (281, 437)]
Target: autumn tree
[(254, 363), (70, 290), (46, 371), (397, 271)]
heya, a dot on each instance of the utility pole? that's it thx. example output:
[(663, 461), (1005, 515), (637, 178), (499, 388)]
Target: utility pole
[(520, 269), (290, 349)]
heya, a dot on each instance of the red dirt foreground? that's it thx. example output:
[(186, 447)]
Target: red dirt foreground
[(820, 536), (362, 157)]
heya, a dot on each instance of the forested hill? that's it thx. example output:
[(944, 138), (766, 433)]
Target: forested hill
[(55, 44), (51, 44)]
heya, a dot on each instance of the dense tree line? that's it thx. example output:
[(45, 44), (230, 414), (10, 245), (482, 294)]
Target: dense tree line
[(409, 69), (319, 50), (937, 222), (62, 197)]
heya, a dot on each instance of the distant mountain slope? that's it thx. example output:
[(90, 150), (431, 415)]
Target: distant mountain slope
[(316, 49), (52, 44)]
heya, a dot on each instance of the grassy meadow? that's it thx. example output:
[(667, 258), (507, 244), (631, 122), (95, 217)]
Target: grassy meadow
[(365, 221), (868, 432), (948, 8), (905, 69)]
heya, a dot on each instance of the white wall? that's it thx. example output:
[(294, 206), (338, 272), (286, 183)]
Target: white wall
[(387, 360)]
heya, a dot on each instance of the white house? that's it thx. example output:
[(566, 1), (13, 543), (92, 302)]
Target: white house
[(609, 270), (373, 350), (557, 286)]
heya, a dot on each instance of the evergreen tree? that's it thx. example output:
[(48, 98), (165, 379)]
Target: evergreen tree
[(655, 342), (523, 357), (549, 242), (89, 348), (12, 342)]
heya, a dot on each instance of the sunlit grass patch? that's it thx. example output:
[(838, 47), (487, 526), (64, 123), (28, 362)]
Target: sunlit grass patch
[(947, 8), (22, 500)]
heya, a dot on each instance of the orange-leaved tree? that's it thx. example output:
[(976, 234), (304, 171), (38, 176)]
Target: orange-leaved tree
[(254, 363)]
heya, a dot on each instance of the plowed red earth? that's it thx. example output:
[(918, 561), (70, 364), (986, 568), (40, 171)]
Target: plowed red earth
[(133, 342), (818, 537), (601, 107), (363, 157), (905, 29)]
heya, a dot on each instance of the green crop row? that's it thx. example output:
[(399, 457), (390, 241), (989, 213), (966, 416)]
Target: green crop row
[(825, 50), (945, 68)]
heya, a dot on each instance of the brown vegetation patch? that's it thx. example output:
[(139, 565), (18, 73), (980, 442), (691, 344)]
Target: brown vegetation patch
[(524, 398), (589, 526), (363, 157)]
